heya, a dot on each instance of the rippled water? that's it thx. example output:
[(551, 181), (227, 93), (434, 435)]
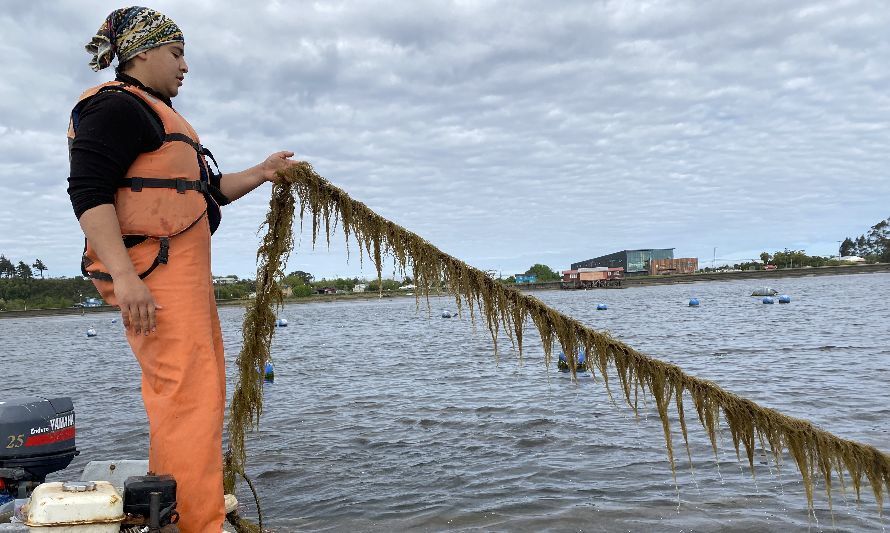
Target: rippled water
[(383, 418)]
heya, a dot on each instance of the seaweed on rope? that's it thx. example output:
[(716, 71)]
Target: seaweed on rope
[(815, 451), (259, 324)]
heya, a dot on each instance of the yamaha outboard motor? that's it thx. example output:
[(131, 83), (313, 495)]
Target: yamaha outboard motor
[(37, 439)]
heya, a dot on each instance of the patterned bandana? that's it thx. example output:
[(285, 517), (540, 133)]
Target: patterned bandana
[(129, 31)]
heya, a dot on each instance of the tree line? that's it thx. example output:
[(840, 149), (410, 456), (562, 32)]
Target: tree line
[(304, 284), (795, 259), (22, 270), (20, 289), (873, 245), (19, 293)]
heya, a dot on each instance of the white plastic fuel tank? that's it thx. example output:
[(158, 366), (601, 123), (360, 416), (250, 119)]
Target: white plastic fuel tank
[(75, 507)]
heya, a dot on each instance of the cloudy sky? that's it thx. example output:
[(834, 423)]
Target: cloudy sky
[(506, 133)]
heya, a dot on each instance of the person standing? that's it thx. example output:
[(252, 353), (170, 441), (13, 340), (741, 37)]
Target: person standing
[(148, 201)]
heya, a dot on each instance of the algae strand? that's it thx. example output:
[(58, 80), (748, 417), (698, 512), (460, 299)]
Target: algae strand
[(259, 324), (504, 308)]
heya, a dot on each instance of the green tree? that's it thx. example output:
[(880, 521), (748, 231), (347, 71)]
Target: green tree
[(543, 272), (297, 284), (305, 276), (41, 293), (765, 257), (861, 245), (846, 247), (7, 269), (23, 271), (40, 267), (302, 290), (388, 285), (343, 284)]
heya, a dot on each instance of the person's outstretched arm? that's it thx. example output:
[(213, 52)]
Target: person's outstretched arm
[(237, 184)]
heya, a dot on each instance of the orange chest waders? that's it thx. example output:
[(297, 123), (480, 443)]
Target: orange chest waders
[(161, 207)]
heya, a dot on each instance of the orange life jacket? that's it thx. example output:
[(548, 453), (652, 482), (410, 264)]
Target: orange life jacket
[(162, 193)]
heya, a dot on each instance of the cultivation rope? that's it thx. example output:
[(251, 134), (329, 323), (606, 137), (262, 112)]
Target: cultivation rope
[(816, 452)]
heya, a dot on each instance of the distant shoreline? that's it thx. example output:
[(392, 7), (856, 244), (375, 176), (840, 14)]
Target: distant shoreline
[(67, 311), (759, 274), (645, 281), (642, 281)]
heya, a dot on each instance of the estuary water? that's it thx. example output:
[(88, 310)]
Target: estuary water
[(386, 418)]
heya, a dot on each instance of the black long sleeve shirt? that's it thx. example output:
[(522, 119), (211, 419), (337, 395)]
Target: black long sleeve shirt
[(114, 127)]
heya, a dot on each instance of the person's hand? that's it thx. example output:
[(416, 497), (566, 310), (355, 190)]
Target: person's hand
[(275, 162), (136, 303)]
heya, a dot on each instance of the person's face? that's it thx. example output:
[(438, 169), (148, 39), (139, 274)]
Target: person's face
[(168, 67)]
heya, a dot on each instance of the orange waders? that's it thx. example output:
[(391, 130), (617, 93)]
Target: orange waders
[(183, 377), (161, 202)]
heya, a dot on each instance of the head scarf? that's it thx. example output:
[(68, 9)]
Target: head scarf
[(129, 31)]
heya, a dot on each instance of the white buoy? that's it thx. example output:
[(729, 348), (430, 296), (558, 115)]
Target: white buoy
[(91, 332), (764, 291), (281, 322), (446, 314)]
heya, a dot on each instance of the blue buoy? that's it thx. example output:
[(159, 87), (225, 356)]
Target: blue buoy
[(281, 322), (91, 332), (114, 321), (693, 302), (768, 300), (601, 307), (784, 299), (563, 362), (269, 373), (446, 314)]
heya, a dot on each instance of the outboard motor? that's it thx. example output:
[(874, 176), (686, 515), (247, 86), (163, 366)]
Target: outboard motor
[(37, 439)]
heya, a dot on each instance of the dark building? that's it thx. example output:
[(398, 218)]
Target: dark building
[(634, 262)]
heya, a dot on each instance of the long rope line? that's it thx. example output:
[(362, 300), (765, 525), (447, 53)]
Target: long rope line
[(816, 452)]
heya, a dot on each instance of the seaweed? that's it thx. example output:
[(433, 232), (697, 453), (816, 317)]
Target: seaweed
[(504, 308), (259, 324)]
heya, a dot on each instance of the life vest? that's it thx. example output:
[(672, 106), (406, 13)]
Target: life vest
[(164, 192)]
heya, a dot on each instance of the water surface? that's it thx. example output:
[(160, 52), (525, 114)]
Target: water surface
[(383, 418)]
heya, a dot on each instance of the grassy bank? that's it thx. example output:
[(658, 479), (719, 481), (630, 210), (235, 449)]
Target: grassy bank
[(23, 313)]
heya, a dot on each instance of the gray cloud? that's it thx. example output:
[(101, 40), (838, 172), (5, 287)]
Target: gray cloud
[(507, 133)]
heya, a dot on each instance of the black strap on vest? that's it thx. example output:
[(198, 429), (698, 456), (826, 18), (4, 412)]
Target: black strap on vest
[(136, 184), (160, 259), (130, 241), (170, 137)]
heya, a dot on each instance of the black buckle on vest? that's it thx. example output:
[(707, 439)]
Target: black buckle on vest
[(181, 185), (164, 250), (136, 184)]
